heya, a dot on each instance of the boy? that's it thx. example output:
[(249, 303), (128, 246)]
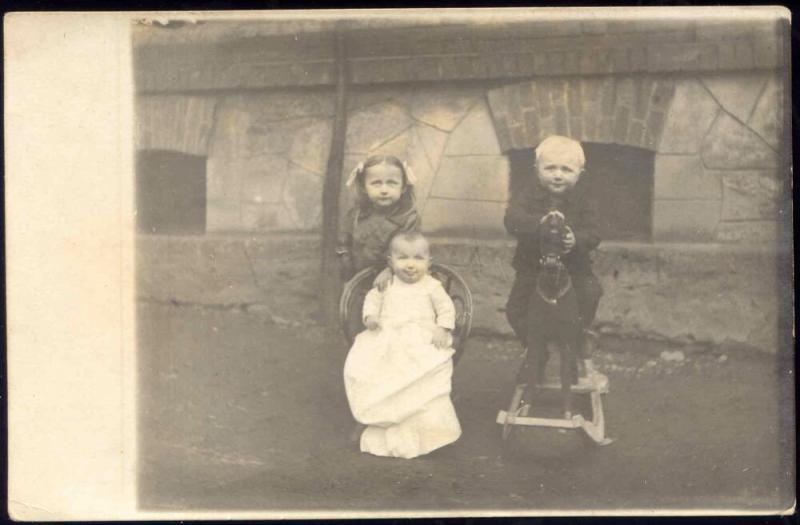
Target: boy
[(559, 164)]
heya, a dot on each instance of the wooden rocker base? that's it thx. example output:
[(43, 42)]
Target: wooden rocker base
[(600, 384), (595, 429)]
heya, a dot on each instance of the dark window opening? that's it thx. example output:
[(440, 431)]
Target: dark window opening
[(170, 192), (618, 181)]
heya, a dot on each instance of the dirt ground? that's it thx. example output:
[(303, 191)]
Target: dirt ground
[(241, 413)]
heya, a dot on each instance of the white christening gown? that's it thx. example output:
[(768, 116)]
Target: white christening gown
[(397, 382)]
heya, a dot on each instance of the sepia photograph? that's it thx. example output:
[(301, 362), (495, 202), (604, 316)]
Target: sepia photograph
[(611, 193), (462, 262)]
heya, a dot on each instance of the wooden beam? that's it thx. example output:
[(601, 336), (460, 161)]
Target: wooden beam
[(329, 275)]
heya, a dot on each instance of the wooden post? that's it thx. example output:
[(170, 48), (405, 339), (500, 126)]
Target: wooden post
[(329, 276)]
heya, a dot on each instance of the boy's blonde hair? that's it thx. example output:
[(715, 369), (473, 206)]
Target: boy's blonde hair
[(563, 147)]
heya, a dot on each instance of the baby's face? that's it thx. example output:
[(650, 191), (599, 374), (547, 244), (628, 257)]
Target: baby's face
[(558, 173), (410, 260), (384, 185)]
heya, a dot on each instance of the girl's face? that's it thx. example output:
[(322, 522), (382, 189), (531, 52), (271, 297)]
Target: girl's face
[(384, 185), (557, 173)]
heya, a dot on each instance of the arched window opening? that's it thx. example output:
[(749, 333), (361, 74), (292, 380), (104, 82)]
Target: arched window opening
[(170, 192)]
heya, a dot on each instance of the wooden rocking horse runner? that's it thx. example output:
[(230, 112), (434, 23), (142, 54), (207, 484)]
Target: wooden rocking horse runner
[(554, 325)]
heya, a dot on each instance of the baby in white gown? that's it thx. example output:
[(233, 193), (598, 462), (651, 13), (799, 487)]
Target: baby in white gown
[(399, 371)]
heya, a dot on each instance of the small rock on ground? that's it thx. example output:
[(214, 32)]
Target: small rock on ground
[(674, 356)]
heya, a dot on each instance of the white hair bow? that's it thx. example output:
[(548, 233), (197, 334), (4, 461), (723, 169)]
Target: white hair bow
[(354, 174), (411, 178)]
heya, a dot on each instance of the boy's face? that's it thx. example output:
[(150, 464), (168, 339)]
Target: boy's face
[(558, 173), (410, 260), (384, 185)]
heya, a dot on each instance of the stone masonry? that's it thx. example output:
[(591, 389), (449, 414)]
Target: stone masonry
[(717, 140), (730, 294), (706, 97), (262, 56)]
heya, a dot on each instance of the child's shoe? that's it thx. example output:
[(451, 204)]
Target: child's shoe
[(587, 343), (585, 372)]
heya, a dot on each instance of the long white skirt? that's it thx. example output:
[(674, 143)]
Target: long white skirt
[(398, 384)]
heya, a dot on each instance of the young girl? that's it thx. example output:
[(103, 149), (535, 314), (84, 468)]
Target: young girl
[(398, 372), (385, 206)]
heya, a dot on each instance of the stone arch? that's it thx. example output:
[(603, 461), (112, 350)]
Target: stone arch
[(624, 110), (174, 122), (705, 130)]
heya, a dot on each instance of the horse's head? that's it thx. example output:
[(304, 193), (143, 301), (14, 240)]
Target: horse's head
[(554, 279), (551, 237)]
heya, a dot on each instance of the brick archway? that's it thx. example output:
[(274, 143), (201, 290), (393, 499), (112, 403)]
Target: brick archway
[(715, 159), (628, 111)]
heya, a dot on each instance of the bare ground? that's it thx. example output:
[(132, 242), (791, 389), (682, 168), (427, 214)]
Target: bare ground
[(240, 413)]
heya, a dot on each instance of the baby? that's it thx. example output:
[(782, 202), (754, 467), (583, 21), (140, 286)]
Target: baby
[(398, 372)]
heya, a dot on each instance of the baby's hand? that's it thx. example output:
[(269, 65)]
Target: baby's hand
[(569, 241), (441, 337), (382, 280), (371, 322)]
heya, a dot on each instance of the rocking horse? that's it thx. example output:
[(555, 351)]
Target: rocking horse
[(554, 326)]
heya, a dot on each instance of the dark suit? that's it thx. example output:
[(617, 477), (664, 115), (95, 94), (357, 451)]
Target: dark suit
[(523, 215)]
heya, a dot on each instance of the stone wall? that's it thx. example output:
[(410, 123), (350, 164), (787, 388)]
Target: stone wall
[(258, 55), (717, 139), (448, 138), (266, 161), (704, 96), (700, 294), (267, 154)]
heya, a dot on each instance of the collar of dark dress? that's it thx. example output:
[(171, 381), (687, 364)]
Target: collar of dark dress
[(398, 215)]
